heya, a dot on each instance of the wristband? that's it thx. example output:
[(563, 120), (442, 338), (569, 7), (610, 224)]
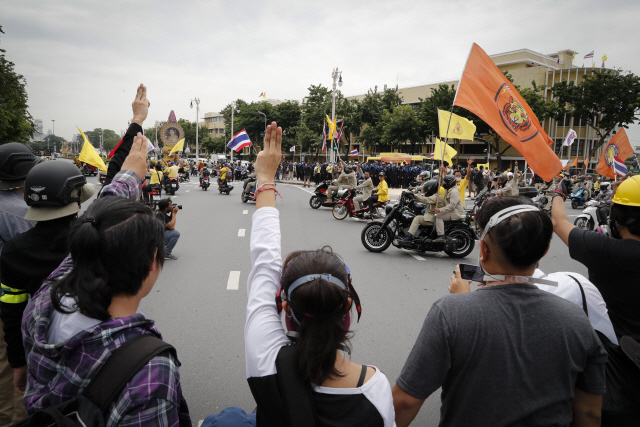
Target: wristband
[(261, 189)]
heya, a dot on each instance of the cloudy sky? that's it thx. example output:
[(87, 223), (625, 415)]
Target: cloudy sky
[(83, 59)]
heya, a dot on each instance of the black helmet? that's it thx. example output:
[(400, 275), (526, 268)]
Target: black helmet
[(381, 174), (430, 187), (16, 160), (448, 181), (50, 184), (348, 169)]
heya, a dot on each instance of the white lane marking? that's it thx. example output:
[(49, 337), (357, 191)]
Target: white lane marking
[(298, 186), (234, 279), (245, 212), (241, 232), (416, 256), (200, 423), (187, 191)]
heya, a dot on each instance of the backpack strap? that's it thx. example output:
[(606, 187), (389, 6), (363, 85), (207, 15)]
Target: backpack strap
[(121, 366), (363, 373), (584, 298), (296, 394)]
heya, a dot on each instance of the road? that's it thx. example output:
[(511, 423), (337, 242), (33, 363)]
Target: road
[(199, 300)]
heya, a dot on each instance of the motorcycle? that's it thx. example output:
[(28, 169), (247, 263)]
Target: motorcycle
[(594, 218), (244, 196), (182, 177), (345, 207), (171, 186), (320, 196), (377, 236), (204, 182), (224, 187), (577, 198)]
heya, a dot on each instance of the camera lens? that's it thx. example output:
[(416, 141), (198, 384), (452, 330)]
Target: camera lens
[(179, 206)]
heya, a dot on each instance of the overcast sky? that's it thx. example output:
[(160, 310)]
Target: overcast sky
[(83, 59)]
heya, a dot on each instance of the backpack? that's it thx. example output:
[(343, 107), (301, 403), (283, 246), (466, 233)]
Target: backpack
[(90, 407)]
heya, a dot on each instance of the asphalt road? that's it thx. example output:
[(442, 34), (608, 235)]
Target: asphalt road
[(199, 300)]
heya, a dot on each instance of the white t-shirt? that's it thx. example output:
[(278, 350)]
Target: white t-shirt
[(64, 326)]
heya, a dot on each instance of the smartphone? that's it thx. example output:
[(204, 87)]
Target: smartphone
[(471, 272)]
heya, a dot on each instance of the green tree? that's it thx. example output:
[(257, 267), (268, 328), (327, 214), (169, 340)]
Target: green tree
[(371, 110), (214, 145), (288, 115), (226, 113), (316, 107), (603, 100), (400, 126), (16, 124)]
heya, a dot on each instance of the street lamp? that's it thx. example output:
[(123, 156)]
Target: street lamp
[(336, 75), (233, 110), (197, 113), (265, 121)]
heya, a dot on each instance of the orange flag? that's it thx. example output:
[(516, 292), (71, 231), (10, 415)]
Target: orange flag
[(619, 147), (487, 93), (573, 164)]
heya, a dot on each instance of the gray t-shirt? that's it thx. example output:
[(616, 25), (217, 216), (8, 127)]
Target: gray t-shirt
[(508, 355)]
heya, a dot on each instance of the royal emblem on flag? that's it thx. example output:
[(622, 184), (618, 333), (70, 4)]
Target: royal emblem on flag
[(611, 154), (514, 116), (457, 129)]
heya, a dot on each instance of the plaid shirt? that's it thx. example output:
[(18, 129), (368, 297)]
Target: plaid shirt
[(59, 372)]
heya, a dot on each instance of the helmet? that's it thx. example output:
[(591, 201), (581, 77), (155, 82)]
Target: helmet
[(16, 160), (171, 163), (628, 193), (581, 178), (448, 181), (509, 175), (381, 174), (55, 189), (430, 187), (226, 164), (605, 186), (425, 175), (348, 169)]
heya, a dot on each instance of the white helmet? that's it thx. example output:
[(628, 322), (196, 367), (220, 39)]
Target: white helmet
[(509, 175)]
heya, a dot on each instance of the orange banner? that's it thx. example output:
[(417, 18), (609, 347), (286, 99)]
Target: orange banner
[(619, 147), (573, 164), (487, 93)]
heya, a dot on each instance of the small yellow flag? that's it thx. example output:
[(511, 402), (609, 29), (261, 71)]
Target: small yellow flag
[(604, 57), (573, 57), (178, 147), (484, 165), (442, 147), (459, 127), (332, 127), (89, 154)]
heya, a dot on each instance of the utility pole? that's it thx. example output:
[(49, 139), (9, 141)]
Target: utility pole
[(53, 132), (335, 75), (233, 109), (197, 100)]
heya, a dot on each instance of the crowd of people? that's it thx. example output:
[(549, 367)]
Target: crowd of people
[(525, 348)]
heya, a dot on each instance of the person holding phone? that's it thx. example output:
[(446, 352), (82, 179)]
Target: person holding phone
[(508, 353)]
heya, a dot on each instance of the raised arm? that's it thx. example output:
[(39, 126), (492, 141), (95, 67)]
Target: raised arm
[(469, 161)]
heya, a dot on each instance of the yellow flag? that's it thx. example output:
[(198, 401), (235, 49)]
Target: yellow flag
[(460, 127), (484, 165), (332, 127), (178, 147), (573, 57), (90, 155), (604, 57), (449, 152)]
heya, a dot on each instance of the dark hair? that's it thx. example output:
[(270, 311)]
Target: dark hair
[(112, 246), (523, 238), (164, 204), (320, 306), (628, 216)]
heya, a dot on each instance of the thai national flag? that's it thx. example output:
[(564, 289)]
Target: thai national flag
[(618, 167), (354, 152), (589, 55), (239, 141), (324, 138), (431, 155)]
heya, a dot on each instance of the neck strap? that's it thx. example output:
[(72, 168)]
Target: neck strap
[(518, 279)]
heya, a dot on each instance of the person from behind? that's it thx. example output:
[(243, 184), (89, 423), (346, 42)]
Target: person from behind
[(508, 353), (167, 213), (87, 308), (155, 182), (611, 262), (317, 298), (380, 194), (54, 192)]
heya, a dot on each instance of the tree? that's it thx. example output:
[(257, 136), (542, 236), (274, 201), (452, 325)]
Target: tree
[(316, 107), (603, 101), (213, 145), (288, 115), (371, 111), (189, 129), (401, 126), (16, 124)]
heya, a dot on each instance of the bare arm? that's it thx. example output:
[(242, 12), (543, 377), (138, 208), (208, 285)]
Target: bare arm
[(405, 405), (469, 168), (267, 163), (587, 409), (561, 224), (171, 225)]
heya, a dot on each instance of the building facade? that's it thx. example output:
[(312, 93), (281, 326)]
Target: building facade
[(215, 123)]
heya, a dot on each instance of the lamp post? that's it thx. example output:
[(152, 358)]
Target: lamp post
[(233, 110), (53, 132), (335, 75), (265, 121), (197, 100)]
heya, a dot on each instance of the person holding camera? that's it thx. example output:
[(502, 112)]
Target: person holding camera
[(167, 213)]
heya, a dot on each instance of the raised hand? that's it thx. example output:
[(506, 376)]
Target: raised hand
[(267, 164), (136, 161), (140, 105)]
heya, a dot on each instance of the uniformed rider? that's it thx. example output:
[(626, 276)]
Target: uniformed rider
[(453, 210), (431, 196), (347, 179), (367, 188)]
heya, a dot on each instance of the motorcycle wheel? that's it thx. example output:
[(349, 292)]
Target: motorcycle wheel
[(372, 244), (464, 247), (574, 204), (584, 223), (244, 197), (314, 202), (340, 211)]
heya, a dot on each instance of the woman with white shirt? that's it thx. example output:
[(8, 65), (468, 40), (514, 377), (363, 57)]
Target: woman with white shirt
[(317, 297)]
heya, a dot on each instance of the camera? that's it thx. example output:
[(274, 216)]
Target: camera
[(178, 206)]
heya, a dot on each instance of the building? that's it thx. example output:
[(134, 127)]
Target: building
[(525, 66), (215, 124), (38, 135)]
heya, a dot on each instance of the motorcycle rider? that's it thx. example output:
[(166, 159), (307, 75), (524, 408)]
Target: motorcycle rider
[(588, 187), (204, 173), (381, 194), (155, 170), (511, 187), (347, 179), (222, 174), (430, 198), (454, 209), (550, 190), (250, 183), (367, 188)]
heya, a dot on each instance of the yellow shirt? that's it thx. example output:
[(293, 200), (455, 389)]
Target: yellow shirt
[(155, 177), (383, 191), (173, 171), (223, 173), (462, 187)]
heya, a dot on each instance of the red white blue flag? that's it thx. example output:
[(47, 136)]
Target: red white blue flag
[(353, 152), (589, 55), (618, 167), (239, 141), (324, 138)]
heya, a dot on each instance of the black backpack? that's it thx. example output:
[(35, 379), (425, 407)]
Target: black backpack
[(89, 408)]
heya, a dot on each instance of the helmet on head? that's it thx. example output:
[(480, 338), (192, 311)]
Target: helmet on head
[(425, 175), (605, 186), (509, 175), (16, 160), (430, 187), (581, 178), (628, 193), (449, 181), (348, 169), (55, 190), (381, 174), (226, 164)]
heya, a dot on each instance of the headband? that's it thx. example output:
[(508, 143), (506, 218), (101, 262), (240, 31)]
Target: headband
[(308, 278), (506, 213)]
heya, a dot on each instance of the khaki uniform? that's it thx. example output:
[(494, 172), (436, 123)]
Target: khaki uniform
[(549, 192), (367, 188), (453, 210), (588, 189), (510, 188), (429, 214), (345, 180)]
